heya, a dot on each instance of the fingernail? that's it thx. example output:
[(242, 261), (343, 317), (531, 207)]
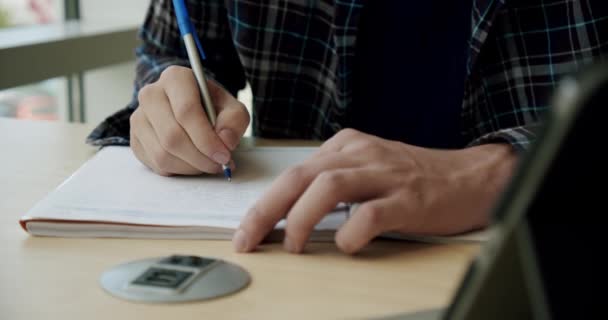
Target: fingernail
[(229, 137), (289, 245), (240, 241), (221, 157)]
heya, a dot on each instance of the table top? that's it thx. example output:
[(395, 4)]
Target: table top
[(49, 278)]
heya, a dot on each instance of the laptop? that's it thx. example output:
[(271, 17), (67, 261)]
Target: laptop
[(543, 261)]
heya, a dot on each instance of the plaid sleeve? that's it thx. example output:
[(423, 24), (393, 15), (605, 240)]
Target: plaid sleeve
[(530, 47), (162, 47), (519, 137)]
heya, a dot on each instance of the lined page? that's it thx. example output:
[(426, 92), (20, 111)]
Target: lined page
[(114, 186)]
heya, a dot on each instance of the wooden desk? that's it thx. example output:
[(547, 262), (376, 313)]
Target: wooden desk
[(54, 278)]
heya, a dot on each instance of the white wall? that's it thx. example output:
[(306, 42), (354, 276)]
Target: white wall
[(123, 10)]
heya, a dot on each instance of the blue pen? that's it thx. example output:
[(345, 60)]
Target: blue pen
[(195, 55)]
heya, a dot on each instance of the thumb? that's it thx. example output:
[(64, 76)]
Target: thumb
[(232, 116)]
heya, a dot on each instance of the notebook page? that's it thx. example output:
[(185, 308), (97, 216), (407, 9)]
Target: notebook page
[(114, 186)]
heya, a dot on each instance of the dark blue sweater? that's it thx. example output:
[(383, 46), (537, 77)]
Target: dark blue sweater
[(410, 71)]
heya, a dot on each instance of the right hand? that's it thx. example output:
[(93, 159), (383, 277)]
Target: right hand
[(170, 132)]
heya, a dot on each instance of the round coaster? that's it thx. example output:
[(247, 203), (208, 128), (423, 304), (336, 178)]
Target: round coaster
[(177, 278)]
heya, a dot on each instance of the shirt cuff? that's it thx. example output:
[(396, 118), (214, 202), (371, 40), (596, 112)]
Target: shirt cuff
[(520, 138), (115, 129)]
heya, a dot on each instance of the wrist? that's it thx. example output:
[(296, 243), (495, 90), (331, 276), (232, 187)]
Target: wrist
[(484, 171)]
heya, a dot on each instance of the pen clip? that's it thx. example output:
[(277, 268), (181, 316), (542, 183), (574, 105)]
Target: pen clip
[(185, 25)]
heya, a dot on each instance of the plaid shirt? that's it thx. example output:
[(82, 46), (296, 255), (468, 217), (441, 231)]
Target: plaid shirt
[(298, 58)]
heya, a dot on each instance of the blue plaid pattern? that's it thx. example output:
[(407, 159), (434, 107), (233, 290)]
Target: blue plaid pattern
[(298, 58)]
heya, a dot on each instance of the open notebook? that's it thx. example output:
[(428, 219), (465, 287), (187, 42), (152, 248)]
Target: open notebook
[(114, 195)]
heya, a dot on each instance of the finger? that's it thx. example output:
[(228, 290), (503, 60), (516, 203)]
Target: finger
[(140, 153), (370, 220), (326, 191), (171, 135), (340, 140), (232, 118), (184, 96), (162, 161), (279, 198)]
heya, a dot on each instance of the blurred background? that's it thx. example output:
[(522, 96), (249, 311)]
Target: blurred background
[(104, 89), (99, 85)]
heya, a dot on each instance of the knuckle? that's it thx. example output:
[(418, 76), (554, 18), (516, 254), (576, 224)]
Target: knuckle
[(257, 218), (145, 92), (296, 173), (372, 149), (184, 111), (171, 73), (413, 182), (296, 177), (372, 214), (162, 160), (332, 181), (347, 133), (172, 139), (368, 145)]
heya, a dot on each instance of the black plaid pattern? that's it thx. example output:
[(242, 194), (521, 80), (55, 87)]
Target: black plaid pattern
[(298, 57)]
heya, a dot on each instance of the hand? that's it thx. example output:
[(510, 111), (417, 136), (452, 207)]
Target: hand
[(401, 188), (170, 132)]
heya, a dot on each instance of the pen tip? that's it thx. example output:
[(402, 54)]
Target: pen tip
[(228, 173)]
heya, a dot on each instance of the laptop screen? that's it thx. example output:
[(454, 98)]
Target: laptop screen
[(543, 262), (563, 221)]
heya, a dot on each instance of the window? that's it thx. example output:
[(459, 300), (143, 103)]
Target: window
[(83, 91), (86, 90), (37, 100)]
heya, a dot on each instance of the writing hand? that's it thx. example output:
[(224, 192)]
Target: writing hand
[(170, 132)]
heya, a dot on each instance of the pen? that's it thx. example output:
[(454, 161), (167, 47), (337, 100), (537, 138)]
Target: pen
[(195, 56)]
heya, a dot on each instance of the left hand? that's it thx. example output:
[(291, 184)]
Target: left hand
[(401, 188)]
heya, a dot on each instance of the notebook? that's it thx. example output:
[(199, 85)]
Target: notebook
[(114, 195)]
